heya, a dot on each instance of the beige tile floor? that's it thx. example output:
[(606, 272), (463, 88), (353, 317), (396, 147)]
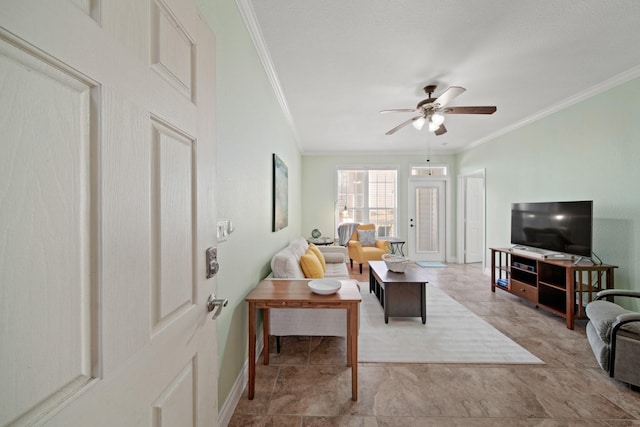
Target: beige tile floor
[(308, 385)]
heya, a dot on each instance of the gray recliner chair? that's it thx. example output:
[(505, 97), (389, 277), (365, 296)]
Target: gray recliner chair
[(614, 336)]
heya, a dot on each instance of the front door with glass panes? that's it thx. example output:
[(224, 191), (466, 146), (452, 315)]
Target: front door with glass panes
[(426, 228)]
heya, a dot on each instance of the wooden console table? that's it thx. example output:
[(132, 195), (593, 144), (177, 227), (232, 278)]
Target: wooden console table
[(560, 286), (294, 293), (401, 294)]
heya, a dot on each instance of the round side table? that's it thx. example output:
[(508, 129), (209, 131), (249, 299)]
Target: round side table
[(321, 241), (396, 245)]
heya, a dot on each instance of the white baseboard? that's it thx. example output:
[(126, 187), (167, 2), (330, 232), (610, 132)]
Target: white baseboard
[(229, 406)]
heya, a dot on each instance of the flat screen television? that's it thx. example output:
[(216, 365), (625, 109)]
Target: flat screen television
[(565, 227)]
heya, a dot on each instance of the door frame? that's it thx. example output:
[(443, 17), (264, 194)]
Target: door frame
[(447, 228), (461, 215)]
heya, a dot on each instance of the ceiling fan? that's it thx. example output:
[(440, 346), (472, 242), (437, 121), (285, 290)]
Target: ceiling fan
[(432, 110)]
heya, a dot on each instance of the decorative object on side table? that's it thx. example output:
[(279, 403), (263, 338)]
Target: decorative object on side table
[(395, 263), (315, 233), (325, 286)]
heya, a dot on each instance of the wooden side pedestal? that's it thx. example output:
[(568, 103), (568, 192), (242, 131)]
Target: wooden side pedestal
[(560, 286)]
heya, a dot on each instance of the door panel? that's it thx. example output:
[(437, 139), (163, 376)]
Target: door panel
[(45, 237), (427, 234), (174, 219), (175, 405), (172, 50), (107, 178), (474, 219)]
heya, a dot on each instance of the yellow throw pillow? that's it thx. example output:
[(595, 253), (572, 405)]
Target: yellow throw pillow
[(311, 266), (313, 248)]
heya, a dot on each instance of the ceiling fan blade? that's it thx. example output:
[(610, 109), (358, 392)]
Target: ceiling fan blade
[(401, 125), (399, 110), (441, 130), (470, 110), (449, 95)]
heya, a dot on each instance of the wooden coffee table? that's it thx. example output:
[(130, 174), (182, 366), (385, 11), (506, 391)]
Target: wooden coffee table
[(401, 294)]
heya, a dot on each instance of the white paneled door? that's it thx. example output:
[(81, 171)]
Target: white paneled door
[(106, 209), (427, 234), (473, 219)]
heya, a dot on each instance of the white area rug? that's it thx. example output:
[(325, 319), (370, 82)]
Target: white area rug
[(452, 334)]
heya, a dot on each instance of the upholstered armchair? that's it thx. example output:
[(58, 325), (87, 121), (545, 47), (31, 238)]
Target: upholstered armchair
[(614, 336), (364, 246)]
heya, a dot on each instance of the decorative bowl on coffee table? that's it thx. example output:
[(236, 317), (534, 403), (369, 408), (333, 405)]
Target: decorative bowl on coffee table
[(395, 263)]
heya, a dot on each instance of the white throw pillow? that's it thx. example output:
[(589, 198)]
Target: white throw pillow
[(367, 237)]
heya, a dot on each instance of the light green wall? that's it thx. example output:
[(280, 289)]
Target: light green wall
[(319, 188), (250, 127), (589, 151)]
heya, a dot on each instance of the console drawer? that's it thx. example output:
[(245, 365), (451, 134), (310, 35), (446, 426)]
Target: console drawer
[(525, 291)]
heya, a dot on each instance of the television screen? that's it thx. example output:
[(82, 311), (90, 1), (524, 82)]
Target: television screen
[(555, 226)]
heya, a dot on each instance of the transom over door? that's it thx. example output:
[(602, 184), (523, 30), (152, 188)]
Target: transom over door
[(427, 235), (106, 180)]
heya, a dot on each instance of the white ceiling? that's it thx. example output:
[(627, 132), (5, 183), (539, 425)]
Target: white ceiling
[(336, 63)]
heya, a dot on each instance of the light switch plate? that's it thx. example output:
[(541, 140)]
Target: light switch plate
[(221, 231), (224, 227)]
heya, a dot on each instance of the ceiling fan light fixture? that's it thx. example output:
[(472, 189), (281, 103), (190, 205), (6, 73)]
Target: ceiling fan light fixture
[(432, 110), (418, 123), (437, 118)]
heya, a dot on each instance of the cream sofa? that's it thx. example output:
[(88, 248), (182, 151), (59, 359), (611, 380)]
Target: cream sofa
[(304, 321)]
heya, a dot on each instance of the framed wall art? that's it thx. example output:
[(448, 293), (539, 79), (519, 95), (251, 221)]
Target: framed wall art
[(280, 194)]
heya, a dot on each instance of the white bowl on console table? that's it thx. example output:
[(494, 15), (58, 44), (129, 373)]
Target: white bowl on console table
[(325, 286)]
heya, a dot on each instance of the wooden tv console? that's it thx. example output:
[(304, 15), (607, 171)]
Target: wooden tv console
[(559, 286)]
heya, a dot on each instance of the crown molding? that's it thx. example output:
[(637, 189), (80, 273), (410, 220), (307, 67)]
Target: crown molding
[(616, 80), (251, 22)]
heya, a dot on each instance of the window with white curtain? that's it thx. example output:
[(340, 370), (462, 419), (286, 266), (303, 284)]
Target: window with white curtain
[(369, 195)]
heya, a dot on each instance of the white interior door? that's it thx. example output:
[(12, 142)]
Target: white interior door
[(427, 234), (106, 204), (474, 219)]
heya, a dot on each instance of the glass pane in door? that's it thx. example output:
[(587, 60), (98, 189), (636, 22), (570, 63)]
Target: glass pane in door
[(427, 235)]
